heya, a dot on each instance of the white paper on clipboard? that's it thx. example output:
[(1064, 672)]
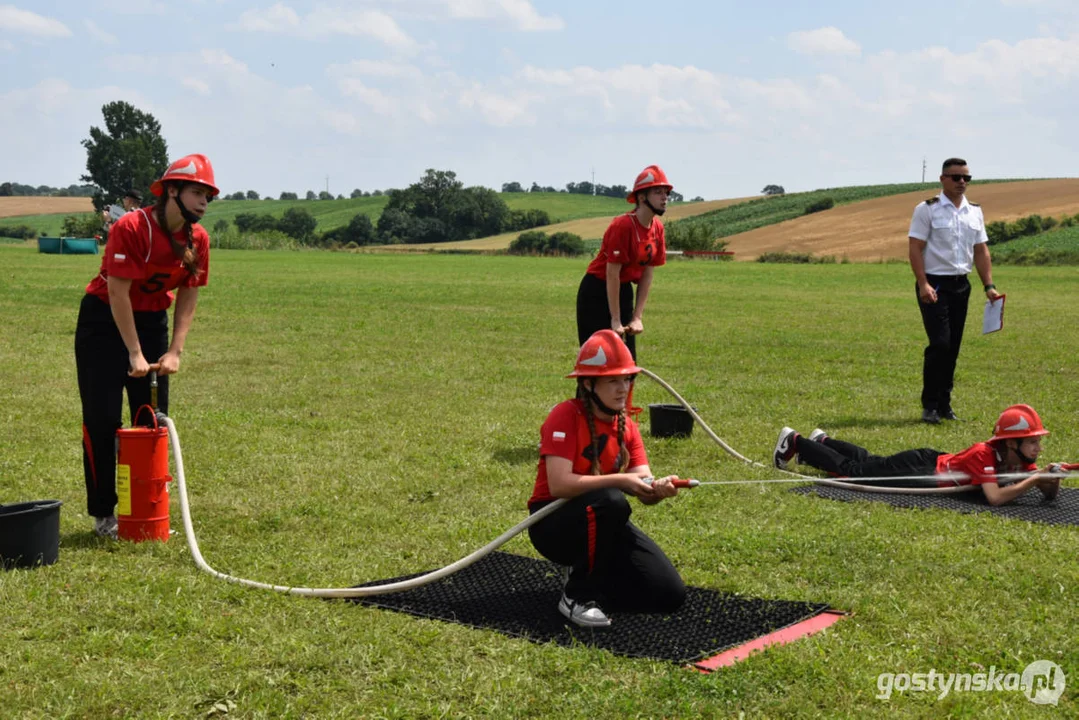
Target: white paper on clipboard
[(993, 319)]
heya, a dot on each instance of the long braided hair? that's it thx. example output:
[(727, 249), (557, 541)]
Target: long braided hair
[(622, 461), (186, 254)]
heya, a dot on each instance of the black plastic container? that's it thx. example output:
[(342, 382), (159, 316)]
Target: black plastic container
[(669, 420), (29, 533)]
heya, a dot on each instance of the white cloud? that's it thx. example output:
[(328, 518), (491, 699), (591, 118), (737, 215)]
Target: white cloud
[(822, 41), (324, 21), (498, 110), (376, 68), (195, 84), (520, 13), (98, 34), (24, 21)]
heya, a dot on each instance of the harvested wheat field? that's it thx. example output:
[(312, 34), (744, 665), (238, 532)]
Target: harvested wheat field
[(31, 205), (587, 228), (877, 229)]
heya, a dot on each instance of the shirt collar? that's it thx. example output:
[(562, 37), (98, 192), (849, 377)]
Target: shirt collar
[(962, 204)]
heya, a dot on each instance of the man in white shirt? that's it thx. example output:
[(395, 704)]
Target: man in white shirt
[(947, 237)]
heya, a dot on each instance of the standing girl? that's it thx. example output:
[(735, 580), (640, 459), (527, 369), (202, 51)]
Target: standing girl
[(123, 328), (592, 453), (633, 245)]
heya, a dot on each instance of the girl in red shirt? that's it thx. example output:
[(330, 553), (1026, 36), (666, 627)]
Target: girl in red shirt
[(633, 246), (591, 452), (123, 328), (1014, 447)]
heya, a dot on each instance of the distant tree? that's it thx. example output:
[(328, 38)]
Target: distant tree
[(676, 196), (360, 230), (5, 190), (297, 223), (395, 226), (325, 195), (253, 222), (773, 190), (376, 193), (310, 195), (512, 187), (697, 199), (238, 195), (289, 196), (221, 226), (252, 195), (526, 219), (356, 193), (535, 187), (129, 154), (477, 212)]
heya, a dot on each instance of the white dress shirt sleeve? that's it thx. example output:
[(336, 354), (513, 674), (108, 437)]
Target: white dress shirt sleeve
[(920, 223)]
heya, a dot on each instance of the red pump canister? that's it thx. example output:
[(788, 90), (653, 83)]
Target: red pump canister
[(142, 477)]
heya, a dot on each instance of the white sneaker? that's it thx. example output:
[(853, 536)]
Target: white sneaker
[(818, 435), (584, 614), (786, 450), (106, 527)]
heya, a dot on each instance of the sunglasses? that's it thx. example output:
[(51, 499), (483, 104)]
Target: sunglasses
[(957, 178)]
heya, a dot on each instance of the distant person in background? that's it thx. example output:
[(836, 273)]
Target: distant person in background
[(123, 328), (633, 245), (947, 236), (131, 201)]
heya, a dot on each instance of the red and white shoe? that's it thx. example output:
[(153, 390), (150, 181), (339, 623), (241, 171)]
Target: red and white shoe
[(786, 450)]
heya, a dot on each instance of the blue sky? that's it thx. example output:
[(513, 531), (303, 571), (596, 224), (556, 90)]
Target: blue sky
[(726, 96)]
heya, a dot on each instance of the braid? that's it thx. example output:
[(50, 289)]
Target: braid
[(623, 451), (185, 254), (587, 399)]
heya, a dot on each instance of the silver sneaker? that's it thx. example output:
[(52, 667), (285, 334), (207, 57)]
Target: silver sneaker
[(106, 527), (818, 435), (586, 614)]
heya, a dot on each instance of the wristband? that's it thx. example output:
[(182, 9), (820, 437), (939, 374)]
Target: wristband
[(990, 286)]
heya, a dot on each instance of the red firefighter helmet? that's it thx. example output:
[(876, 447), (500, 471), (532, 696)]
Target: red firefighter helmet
[(602, 355), (651, 176), (1018, 422), (189, 168)]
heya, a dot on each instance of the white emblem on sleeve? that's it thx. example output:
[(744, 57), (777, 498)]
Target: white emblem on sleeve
[(119, 256), (558, 435)]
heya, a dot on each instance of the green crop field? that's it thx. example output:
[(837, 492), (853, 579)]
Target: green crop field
[(350, 417), (778, 208)]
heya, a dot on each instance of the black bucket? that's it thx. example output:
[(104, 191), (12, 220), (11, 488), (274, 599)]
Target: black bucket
[(29, 533), (667, 420)]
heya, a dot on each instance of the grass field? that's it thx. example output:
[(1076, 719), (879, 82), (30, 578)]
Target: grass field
[(349, 417)]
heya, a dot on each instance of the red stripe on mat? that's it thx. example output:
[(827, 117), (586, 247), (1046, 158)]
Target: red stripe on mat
[(780, 637)]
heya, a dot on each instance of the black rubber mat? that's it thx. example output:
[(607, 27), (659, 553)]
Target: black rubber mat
[(1032, 507), (518, 596)]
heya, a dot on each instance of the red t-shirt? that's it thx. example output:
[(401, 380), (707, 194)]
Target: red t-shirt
[(565, 434), (631, 245), (978, 462), (139, 249)]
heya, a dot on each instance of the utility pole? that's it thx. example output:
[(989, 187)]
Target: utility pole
[(923, 169), (327, 184), (593, 182)]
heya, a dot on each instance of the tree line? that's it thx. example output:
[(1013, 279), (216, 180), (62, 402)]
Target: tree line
[(14, 189), (583, 188)]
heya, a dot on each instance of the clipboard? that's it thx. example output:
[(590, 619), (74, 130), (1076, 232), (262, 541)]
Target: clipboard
[(993, 317)]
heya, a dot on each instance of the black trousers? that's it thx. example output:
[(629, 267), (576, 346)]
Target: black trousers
[(944, 321), (613, 562), (846, 459), (102, 364), (594, 312)]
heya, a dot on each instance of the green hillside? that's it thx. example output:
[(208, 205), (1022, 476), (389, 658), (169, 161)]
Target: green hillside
[(336, 213)]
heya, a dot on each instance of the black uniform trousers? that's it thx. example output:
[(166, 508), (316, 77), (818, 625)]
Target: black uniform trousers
[(101, 360), (594, 312), (944, 321), (848, 460), (613, 562)]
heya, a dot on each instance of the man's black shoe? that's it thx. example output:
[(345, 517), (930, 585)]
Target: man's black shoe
[(949, 415), (931, 416)]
